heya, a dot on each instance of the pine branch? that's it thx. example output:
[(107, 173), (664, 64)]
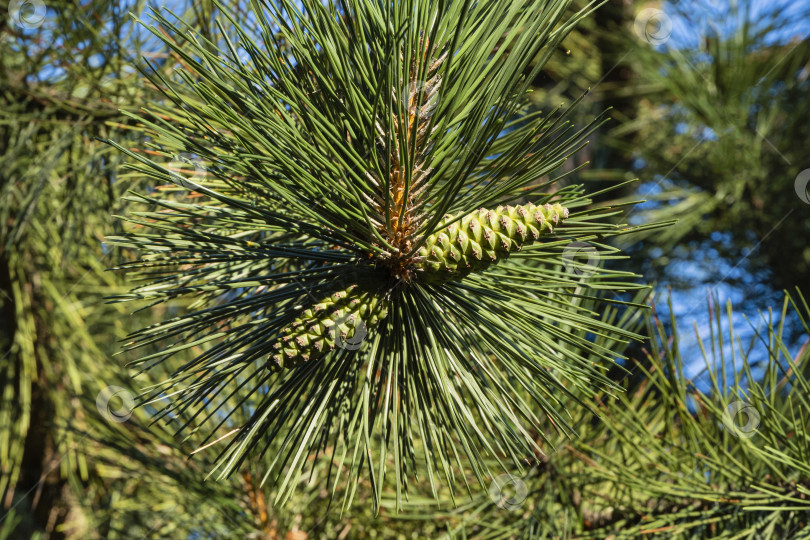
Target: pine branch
[(667, 457), (330, 161)]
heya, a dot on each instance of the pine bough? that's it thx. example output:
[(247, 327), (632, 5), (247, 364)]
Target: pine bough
[(357, 178)]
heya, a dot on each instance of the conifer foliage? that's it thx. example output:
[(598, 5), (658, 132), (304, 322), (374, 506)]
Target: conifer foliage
[(358, 167)]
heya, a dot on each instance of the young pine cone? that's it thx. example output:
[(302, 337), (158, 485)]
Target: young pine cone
[(483, 237), (341, 319)]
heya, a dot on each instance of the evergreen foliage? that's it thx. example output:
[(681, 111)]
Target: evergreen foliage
[(720, 133), (291, 169), (721, 454), (331, 161)]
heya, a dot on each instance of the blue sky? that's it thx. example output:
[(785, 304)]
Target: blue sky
[(693, 18)]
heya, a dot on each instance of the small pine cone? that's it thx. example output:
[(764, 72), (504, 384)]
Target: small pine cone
[(483, 237), (341, 319)]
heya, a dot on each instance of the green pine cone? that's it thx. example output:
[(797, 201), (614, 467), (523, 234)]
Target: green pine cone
[(342, 319), (484, 237)]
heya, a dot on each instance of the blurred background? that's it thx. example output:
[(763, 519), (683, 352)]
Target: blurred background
[(708, 107)]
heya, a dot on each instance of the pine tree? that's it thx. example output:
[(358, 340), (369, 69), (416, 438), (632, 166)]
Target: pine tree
[(378, 214), (268, 195), (719, 133), (66, 470), (56, 201)]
